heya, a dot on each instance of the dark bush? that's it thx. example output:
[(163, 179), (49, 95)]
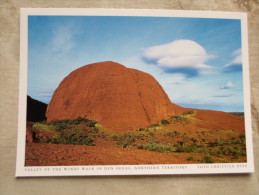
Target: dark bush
[(126, 140), (190, 158), (164, 122), (79, 120), (156, 148), (208, 159), (73, 136), (154, 125), (186, 148), (173, 134)]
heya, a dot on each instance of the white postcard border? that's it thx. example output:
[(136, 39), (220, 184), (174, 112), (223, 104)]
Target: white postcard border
[(165, 169)]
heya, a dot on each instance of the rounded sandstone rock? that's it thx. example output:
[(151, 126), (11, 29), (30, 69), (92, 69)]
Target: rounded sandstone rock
[(117, 97)]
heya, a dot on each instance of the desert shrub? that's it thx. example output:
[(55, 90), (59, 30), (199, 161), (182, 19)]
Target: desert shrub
[(156, 148), (235, 140), (218, 142), (190, 158), (186, 148), (178, 118), (154, 125), (73, 136), (243, 153), (79, 120), (213, 152), (200, 145), (227, 150), (173, 134), (126, 140), (60, 127), (141, 129), (164, 122), (59, 122), (150, 130), (235, 152), (208, 159), (203, 133), (191, 112), (185, 138), (212, 144), (43, 127), (242, 138), (240, 114), (216, 152)]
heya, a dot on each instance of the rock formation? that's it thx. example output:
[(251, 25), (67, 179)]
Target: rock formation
[(35, 110), (117, 97)]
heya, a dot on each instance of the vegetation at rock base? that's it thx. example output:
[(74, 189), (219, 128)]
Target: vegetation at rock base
[(79, 131), (240, 114), (181, 136), (156, 148)]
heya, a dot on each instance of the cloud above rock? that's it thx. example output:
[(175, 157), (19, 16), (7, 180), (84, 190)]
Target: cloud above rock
[(236, 63), (228, 85), (180, 56)]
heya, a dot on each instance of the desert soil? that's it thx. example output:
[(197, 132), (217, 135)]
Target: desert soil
[(61, 154)]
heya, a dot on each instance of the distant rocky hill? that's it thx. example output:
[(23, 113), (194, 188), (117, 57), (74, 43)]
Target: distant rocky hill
[(119, 98), (36, 110)]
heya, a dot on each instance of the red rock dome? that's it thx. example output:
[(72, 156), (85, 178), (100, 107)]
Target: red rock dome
[(117, 97)]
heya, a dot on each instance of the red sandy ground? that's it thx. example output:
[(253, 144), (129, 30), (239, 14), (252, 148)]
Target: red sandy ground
[(59, 154), (106, 153)]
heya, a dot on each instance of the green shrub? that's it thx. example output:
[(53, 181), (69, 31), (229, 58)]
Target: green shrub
[(164, 122), (227, 150), (220, 142), (185, 138), (141, 129), (235, 140), (73, 136), (242, 138), (173, 134), (154, 125), (126, 140), (156, 148), (236, 154), (148, 130), (60, 127), (179, 119), (190, 158), (190, 113), (186, 148), (208, 159), (44, 127), (79, 120)]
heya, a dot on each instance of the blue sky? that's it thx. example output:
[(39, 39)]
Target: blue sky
[(197, 61)]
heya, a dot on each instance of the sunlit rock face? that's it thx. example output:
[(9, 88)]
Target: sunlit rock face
[(119, 98)]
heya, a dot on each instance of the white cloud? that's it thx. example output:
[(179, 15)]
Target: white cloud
[(227, 85), (63, 38), (237, 60), (185, 56)]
